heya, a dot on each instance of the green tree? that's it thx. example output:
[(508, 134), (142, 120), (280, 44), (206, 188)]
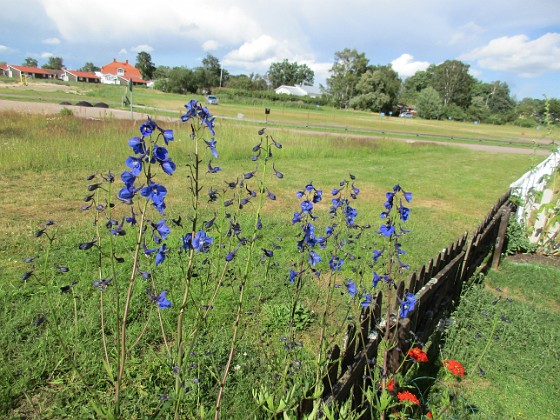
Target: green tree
[(216, 75), (179, 80), (291, 74), (253, 82), (413, 85), (429, 104), (348, 67), (30, 62), (54, 63), (161, 72), (90, 67), (145, 65), (377, 90), (453, 82)]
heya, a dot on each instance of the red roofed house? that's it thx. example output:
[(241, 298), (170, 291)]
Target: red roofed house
[(34, 72), (80, 76), (3, 70), (120, 73)]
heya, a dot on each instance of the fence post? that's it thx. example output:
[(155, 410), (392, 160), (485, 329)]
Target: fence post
[(500, 239)]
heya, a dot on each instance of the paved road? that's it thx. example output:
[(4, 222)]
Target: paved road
[(100, 113)]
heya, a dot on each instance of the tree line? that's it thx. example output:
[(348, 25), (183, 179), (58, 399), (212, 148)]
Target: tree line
[(442, 91)]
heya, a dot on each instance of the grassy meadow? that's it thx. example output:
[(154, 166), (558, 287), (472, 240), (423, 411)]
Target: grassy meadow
[(44, 168)]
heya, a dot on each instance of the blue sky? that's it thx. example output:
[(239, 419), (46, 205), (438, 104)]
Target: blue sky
[(513, 41)]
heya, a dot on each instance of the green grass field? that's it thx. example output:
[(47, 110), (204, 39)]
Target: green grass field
[(45, 163)]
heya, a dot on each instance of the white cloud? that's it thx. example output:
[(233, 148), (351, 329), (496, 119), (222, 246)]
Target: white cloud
[(51, 41), (260, 52), (405, 65), (210, 45), (518, 54), (4, 49), (141, 47), (123, 51), (46, 55)]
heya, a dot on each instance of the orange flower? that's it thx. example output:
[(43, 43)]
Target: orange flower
[(418, 354), (429, 415), (391, 385), (454, 367), (408, 396)]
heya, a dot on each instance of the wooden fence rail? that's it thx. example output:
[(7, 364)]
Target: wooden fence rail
[(437, 286)]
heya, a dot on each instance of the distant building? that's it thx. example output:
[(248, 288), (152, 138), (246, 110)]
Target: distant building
[(120, 73), (3, 70), (29, 72), (80, 76), (308, 91)]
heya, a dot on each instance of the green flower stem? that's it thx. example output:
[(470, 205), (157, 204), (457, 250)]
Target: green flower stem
[(241, 294), (122, 342)]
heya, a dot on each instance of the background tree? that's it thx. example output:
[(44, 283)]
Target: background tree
[(215, 76), (377, 90), (161, 72), (90, 67), (348, 67), (145, 65), (413, 85), (253, 82), (30, 62), (453, 82), (54, 63), (291, 74), (429, 104)]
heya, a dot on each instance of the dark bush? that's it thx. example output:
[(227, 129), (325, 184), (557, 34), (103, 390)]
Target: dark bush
[(101, 105), (65, 103), (84, 103)]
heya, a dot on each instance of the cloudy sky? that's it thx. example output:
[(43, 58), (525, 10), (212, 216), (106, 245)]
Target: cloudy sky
[(514, 41)]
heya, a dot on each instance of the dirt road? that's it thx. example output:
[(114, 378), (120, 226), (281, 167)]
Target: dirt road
[(100, 113)]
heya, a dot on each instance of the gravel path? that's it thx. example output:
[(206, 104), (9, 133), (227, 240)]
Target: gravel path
[(100, 113)]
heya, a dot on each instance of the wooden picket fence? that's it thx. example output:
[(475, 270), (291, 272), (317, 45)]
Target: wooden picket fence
[(437, 287)]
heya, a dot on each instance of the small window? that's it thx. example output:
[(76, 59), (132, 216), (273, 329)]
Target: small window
[(120, 71)]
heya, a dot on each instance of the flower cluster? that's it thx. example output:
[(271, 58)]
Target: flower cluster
[(418, 354), (394, 215), (147, 153), (454, 367)]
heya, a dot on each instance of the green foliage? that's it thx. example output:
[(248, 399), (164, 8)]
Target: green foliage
[(145, 65), (278, 316), (54, 63), (291, 74), (348, 68), (517, 238), (377, 90), (428, 104)]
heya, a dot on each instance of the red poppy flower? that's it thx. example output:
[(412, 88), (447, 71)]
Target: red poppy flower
[(391, 385), (429, 415), (408, 396), (418, 354), (454, 367)]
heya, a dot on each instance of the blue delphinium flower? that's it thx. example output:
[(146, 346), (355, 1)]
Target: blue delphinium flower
[(135, 164), (336, 263), (407, 305), (351, 288), (367, 300), (161, 299), (161, 254), (387, 230), (314, 258), (201, 242)]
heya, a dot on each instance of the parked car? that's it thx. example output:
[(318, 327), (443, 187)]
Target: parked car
[(212, 100), (406, 115)]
